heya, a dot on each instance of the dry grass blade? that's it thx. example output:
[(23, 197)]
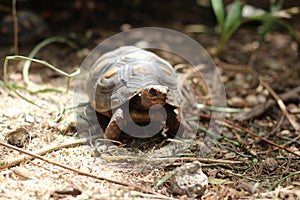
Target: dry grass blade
[(173, 159), (38, 47), (35, 155), (18, 57), (284, 178), (48, 149)]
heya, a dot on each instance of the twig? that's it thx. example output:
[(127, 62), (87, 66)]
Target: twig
[(278, 125), (48, 149), (281, 105), (296, 139), (237, 127), (80, 141), (15, 20), (173, 159), (261, 108)]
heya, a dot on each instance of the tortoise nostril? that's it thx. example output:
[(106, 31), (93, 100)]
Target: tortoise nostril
[(153, 92)]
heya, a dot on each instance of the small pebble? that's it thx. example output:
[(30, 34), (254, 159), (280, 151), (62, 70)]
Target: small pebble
[(125, 27), (230, 155), (251, 100), (293, 108), (261, 98), (265, 92), (237, 102), (39, 119), (29, 118), (286, 133), (270, 164), (228, 134), (19, 137)]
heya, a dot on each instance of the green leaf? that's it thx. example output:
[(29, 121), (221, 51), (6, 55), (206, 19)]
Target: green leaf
[(276, 6), (232, 22), (268, 24), (218, 9), (233, 19)]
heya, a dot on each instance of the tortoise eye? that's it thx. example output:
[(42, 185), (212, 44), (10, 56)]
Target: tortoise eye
[(153, 92)]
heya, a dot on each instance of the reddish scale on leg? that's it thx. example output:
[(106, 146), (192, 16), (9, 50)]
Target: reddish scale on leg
[(114, 128), (112, 131)]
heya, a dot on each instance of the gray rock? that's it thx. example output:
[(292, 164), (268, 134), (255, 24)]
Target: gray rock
[(189, 180)]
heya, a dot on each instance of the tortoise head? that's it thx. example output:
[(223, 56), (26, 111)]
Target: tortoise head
[(151, 95)]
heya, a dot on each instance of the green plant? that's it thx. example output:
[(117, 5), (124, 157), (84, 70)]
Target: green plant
[(230, 22)]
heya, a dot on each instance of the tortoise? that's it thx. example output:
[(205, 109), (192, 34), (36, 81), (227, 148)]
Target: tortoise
[(31, 27), (131, 86)]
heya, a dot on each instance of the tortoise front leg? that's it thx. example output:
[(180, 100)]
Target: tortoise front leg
[(115, 126), (173, 123)]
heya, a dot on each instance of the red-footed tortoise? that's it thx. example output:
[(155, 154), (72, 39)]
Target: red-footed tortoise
[(125, 83)]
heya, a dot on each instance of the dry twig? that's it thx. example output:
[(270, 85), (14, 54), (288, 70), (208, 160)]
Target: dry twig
[(31, 155), (237, 127), (261, 108), (48, 149), (173, 159), (15, 20), (282, 106)]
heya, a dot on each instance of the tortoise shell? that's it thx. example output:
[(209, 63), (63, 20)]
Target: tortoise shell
[(119, 75)]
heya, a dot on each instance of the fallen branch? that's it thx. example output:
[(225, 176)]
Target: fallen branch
[(31, 155), (276, 128), (281, 105), (237, 127), (261, 108), (16, 29), (48, 149), (173, 159)]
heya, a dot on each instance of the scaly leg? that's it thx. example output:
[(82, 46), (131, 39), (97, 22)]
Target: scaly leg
[(115, 126)]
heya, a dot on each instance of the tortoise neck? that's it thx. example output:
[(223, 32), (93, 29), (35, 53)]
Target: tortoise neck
[(142, 102)]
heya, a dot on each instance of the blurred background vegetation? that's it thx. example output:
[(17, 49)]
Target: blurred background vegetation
[(102, 18)]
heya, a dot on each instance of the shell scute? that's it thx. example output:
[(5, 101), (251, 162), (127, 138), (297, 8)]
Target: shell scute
[(122, 73)]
